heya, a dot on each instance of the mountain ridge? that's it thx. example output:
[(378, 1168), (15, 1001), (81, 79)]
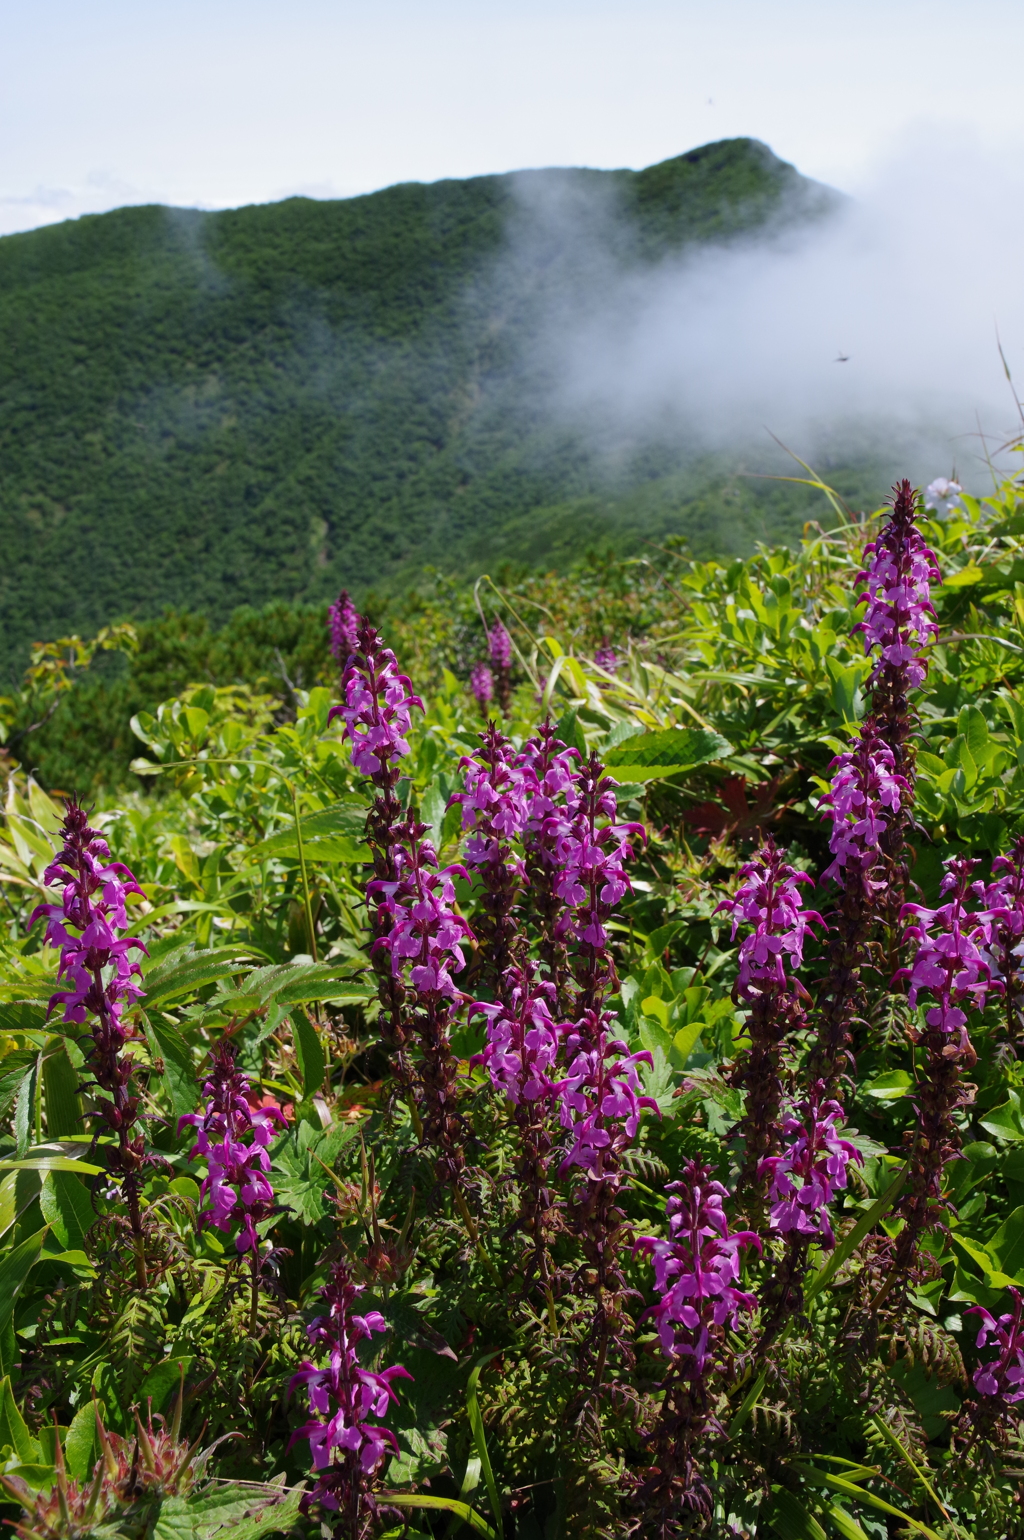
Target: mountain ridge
[(234, 407)]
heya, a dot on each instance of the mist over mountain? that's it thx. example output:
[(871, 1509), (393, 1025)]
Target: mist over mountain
[(211, 409)]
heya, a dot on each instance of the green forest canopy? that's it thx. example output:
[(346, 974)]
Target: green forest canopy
[(214, 409)]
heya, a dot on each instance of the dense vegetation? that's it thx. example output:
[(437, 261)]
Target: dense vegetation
[(214, 410), (356, 1127)]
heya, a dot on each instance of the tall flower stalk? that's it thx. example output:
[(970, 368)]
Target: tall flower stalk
[(696, 1275), (376, 712), (549, 768), (233, 1139), (424, 939), (343, 622), (898, 627), (347, 1447), (494, 811), (951, 963), (1003, 901), (864, 798), (769, 902), (804, 1181), (94, 962), (499, 647)]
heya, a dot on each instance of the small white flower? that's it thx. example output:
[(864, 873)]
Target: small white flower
[(943, 496)]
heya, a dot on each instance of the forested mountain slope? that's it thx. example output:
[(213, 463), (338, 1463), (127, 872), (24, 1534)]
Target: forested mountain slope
[(210, 409)]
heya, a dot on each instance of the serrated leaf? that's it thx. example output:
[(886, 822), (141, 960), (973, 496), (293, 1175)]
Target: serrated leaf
[(651, 756), (66, 1208), (167, 1043), (180, 975)]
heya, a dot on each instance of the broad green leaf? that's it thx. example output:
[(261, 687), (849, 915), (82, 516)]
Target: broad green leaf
[(51, 1163), (1007, 1244), (13, 1431), (342, 826), (163, 1380), (14, 1069), (15, 1267), (651, 756), (66, 1208), (60, 1094), (1005, 1122), (309, 1052), (80, 1442), (860, 1495), (791, 1520), (182, 974), (889, 1087), (166, 1043)]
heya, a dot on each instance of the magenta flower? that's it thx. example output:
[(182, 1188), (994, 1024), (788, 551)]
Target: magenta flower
[(897, 589), (1003, 1376), (101, 979), (233, 1137), (697, 1270), (499, 646), (864, 798), (810, 1171), (591, 854), (377, 707), (608, 659), (481, 683), (495, 802), (347, 1448), (769, 901), (425, 937), (952, 959), (343, 622), (523, 1040), (601, 1098)]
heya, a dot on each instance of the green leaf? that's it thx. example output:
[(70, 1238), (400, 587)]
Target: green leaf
[(571, 733), (476, 1423), (66, 1208), (51, 1163), (442, 1505), (21, 1016), (13, 1069), (309, 1052), (890, 1086), (182, 974), (340, 830), (60, 1090), (1007, 1244), (1005, 1122), (80, 1442), (844, 1523), (15, 1267), (791, 1521), (651, 756), (13, 1431), (164, 1378), (859, 1494), (167, 1043)]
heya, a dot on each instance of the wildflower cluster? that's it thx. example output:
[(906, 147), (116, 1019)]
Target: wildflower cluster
[(343, 624), (809, 1173), (347, 1448), (233, 1139), (95, 963), (899, 620), (1002, 1378)]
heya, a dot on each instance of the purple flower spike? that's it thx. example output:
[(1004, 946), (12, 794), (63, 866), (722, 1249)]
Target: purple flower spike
[(1002, 1378), (608, 659), (864, 799), (1003, 920), (768, 899), (343, 621), (481, 682), (233, 1137), (897, 589), (601, 1099), (96, 965), (347, 1448), (377, 708), (810, 1171), (952, 960), (499, 646), (426, 935), (523, 1041)]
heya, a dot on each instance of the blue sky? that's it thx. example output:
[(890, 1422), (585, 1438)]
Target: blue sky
[(220, 103)]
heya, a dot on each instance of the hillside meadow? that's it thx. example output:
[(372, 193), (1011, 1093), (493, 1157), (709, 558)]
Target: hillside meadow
[(536, 1059)]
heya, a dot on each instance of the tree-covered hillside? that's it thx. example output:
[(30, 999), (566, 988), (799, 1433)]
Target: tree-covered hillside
[(218, 409)]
